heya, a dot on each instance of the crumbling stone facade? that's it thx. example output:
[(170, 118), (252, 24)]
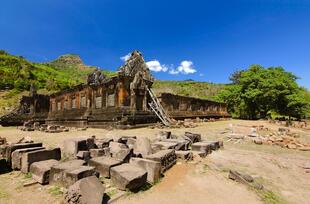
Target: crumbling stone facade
[(180, 107), (120, 100)]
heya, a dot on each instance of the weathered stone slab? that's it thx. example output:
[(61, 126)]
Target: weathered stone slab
[(96, 152), (193, 137), (128, 176), (73, 145), (181, 143), (131, 142), (202, 147), (11, 148), (88, 190), (104, 142), (16, 157), (167, 158), (85, 155), (153, 168), (39, 155), (142, 146), (57, 174), (41, 170), (165, 145), (115, 147), (215, 145), (72, 176), (123, 155), (103, 165), (184, 155)]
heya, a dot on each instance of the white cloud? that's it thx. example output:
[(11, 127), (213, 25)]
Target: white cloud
[(126, 57), (173, 71), (155, 66), (201, 74), (186, 67)]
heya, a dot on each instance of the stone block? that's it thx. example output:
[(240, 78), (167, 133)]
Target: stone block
[(116, 147), (123, 155), (104, 142), (214, 145), (85, 155), (39, 155), (143, 146), (57, 174), (202, 147), (193, 137), (16, 157), (153, 168), (128, 176), (41, 170), (88, 190), (131, 142), (165, 145), (11, 148), (182, 144), (73, 145), (72, 176), (96, 152), (167, 158), (103, 165), (184, 155)]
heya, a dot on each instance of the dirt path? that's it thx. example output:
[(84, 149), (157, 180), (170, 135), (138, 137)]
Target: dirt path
[(185, 184)]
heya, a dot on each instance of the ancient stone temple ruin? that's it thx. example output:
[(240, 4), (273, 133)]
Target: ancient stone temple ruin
[(121, 100)]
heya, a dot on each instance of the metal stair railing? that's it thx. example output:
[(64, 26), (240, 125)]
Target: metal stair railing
[(158, 109)]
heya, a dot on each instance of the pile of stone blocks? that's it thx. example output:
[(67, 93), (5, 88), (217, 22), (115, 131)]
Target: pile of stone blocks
[(30, 156), (128, 162)]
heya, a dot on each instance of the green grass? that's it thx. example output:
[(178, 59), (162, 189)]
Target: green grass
[(55, 190), (270, 197), (112, 193), (3, 194), (28, 175)]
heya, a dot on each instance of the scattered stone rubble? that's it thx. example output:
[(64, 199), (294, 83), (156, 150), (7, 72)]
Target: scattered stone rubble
[(35, 126), (295, 124), (187, 123), (283, 137), (129, 163)]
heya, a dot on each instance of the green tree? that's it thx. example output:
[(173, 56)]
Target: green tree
[(257, 90)]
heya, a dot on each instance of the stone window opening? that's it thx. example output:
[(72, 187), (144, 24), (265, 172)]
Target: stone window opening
[(58, 106), (83, 102), (73, 103)]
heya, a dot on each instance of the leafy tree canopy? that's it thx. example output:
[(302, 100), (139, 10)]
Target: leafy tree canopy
[(256, 91)]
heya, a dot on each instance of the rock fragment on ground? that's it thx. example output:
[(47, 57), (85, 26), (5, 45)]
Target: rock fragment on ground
[(85, 191)]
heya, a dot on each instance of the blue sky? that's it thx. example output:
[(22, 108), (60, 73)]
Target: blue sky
[(200, 40)]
